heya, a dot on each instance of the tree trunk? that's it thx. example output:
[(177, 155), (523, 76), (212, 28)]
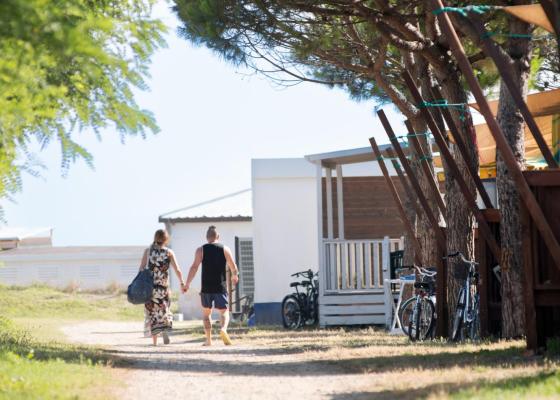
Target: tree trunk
[(512, 124), (460, 220)]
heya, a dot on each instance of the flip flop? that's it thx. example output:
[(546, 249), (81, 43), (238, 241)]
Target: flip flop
[(225, 338)]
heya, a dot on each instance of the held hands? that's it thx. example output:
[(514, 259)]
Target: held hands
[(184, 287)]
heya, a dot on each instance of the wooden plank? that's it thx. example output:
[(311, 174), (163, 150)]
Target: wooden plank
[(440, 238), (463, 150), (368, 265), (344, 265), (360, 265), (501, 142), (452, 165), (333, 267), (352, 266), (353, 309), (374, 319), (329, 197), (340, 201), (426, 167), (542, 178), (357, 298), (528, 282)]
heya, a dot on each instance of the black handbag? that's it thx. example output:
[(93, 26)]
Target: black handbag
[(140, 290)]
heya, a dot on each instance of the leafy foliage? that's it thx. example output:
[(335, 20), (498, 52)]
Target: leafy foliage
[(66, 66)]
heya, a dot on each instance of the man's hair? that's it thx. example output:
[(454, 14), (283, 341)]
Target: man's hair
[(211, 233)]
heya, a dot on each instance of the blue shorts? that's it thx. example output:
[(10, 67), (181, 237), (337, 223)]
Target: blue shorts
[(217, 300)]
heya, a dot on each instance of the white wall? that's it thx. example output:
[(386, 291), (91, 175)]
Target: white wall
[(186, 237), (284, 224), (88, 268)]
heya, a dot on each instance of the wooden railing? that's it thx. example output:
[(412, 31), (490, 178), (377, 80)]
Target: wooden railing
[(357, 265)]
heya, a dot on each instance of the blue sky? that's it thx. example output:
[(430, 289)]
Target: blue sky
[(214, 119)]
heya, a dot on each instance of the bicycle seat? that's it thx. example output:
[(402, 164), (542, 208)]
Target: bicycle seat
[(294, 284)]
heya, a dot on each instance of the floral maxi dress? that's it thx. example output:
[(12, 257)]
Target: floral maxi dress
[(159, 306)]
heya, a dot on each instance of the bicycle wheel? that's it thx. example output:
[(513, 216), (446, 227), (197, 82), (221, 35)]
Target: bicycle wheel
[(313, 311), (405, 314), (414, 323), (474, 328), (291, 312), (457, 334), (425, 319)]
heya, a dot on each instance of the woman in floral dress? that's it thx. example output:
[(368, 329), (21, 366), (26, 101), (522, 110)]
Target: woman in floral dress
[(158, 258)]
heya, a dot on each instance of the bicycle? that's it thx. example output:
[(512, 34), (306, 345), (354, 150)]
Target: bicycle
[(301, 308), (246, 309), (466, 321), (417, 315)]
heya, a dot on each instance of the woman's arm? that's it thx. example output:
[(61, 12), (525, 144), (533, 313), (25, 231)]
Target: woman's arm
[(144, 260)]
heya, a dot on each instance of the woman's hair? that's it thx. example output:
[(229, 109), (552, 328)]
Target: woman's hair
[(161, 237)]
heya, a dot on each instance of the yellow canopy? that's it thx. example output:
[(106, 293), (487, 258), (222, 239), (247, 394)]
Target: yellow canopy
[(545, 108), (532, 14)]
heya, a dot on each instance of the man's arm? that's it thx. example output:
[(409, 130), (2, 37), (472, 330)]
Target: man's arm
[(232, 266), (194, 268)]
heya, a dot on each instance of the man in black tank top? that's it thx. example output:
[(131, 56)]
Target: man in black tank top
[(215, 257)]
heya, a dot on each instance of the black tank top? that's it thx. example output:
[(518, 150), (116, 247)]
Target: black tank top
[(213, 268)]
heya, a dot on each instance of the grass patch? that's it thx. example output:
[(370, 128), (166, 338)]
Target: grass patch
[(46, 302), (544, 385), (34, 369)]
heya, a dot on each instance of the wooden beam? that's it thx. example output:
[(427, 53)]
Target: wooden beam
[(440, 237), (491, 49), (463, 150), (328, 193), (406, 186), (483, 227), (441, 278), (501, 143), (407, 224), (340, 201), (426, 167)]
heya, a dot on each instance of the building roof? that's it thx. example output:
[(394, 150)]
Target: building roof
[(345, 157), (71, 252), (20, 233), (235, 206)]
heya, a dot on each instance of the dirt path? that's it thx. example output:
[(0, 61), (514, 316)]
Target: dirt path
[(247, 370)]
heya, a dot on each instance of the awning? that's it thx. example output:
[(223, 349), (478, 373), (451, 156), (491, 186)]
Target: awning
[(545, 108)]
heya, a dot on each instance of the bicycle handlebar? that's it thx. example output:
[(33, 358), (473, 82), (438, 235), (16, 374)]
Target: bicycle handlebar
[(461, 256), (309, 273)]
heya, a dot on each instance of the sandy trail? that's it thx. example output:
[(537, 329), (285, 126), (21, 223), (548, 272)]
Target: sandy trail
[(242, 371)]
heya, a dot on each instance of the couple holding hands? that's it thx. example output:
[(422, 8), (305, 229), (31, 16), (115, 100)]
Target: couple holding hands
[(214, 257)]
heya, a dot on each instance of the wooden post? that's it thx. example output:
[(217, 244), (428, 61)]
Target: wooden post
[(425, 164), (463, 150), (340, 201), (440, 237), (501, 143), (398, 202), (491, 49), (328, 190), (407, 189), (483, 227)]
